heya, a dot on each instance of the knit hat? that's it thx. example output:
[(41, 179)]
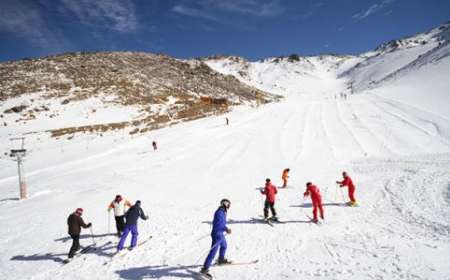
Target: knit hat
[(79, 211)]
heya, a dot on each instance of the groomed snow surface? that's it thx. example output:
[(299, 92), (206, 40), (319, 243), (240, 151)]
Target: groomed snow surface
[(397, 154)]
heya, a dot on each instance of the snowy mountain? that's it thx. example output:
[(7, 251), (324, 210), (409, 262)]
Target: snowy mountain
[(294, 74), (391, 134), (85, 92)]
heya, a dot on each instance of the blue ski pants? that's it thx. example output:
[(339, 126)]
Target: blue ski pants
[(218, 240), (126, 231)]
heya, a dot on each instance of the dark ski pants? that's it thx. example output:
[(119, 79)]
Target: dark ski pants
[(270, 205), (75, 245), (120, 224), (134, 236), (218, 240)]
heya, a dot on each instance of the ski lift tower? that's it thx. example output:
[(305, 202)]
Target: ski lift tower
[(19, 155)]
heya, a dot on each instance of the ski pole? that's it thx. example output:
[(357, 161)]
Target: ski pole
[(212, 247), (109, 221), (342, 193), (92, 235), (335, 193)]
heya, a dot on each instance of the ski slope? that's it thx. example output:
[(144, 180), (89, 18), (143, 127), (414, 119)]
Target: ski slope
[(398, 162)]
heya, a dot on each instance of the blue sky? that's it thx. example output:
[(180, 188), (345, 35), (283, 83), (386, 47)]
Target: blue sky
[(190, 28)]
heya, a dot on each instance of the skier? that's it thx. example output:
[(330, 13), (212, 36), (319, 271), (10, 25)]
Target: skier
[(75, 222), (270, 191), (119, 205), (316, 200), (155, 147), (285, 176), (351, 188), (227, 120), (218, 238), (132, 217)]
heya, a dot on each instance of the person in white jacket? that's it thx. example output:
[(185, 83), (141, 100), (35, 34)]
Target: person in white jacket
[(120, 207)]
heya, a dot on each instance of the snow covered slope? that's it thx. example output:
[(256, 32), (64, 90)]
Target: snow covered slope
[(285, 75), (298, 75), (395, 57), (394, 143)]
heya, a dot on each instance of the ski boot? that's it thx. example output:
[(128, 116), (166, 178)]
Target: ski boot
[(205, 272), (223, 261), (274, 218)]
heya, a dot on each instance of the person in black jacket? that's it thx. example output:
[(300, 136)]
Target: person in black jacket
[(75, 222), (131, 218)]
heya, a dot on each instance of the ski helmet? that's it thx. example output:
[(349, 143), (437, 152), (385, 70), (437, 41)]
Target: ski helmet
[(225, 203)]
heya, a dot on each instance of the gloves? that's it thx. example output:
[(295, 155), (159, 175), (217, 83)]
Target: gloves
[(228, 230), (89, 225)]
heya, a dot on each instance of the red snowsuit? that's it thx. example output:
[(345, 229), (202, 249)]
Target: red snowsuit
[(316, 200), (351, 188), (270, 191)]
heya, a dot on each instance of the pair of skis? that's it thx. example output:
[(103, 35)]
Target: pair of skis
[(121, 253), (83, 251), (207, 275)]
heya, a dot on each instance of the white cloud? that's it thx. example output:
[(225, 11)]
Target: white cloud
[(119, 15), (251, 7), (193, 12), (213, 9), (26, 22), (373, 9)]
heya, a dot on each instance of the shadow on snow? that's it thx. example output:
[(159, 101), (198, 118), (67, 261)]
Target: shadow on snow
[(159, 271), (96, 250)]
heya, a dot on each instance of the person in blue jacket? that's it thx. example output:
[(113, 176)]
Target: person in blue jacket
[(131, 218), (218, 237)]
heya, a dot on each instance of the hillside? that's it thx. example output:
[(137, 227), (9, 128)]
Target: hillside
[(86, 92)]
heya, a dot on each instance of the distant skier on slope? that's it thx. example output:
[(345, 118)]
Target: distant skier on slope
[(270, 191), (120, 205), (218, 237), (155, 146), (351, 188), (285, 177), (227, 120), (132, 217), (75, 222), (316, 198)]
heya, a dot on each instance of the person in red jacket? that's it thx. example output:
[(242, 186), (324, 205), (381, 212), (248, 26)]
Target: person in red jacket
[(316, 198), (351, 188), (270, 191)]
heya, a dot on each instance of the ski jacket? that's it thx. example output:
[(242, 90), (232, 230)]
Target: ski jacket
[(75, 222), (270, 191), (119, 207), (219, 222), (314, 191), (347, 182), (133, 215)]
